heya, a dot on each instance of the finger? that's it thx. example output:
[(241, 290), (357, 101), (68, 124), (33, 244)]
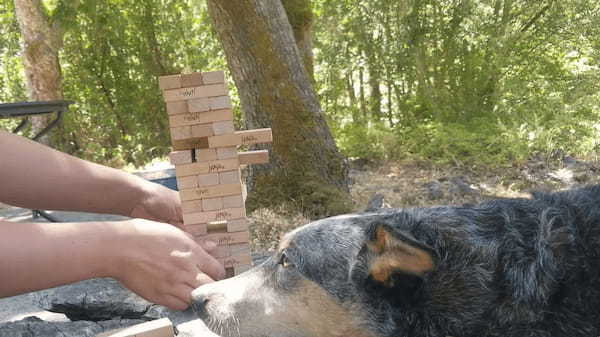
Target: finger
[(174, 302), (209, 265), (183, 293), (199, 280), (208, 246)]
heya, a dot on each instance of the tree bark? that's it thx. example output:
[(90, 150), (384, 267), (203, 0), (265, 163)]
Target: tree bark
[(42, 41), (275, 90), (300, 16)]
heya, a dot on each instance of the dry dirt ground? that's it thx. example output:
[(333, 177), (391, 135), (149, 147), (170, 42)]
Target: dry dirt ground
[(412, 184)]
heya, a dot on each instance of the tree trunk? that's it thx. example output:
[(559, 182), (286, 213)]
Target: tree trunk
[(275, 90), (300, 16), (41, 44)]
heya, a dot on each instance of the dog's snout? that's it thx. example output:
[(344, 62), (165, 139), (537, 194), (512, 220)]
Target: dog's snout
[(200, 300)]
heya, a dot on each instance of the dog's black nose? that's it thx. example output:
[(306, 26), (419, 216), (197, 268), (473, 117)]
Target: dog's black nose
[(199, 302)]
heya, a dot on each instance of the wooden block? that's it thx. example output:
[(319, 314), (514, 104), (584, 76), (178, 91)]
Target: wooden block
[(236, 260), (196, 229), (256, 136), (208, 192), (180, 157), (186, 183), (205, 155), (191, 80), (217, 227), (241, 269), (157, 328), (204, 167), (181, 132), (177, 108), (211, 216), (233, 201), (212, 77), (222, 128), (169, 82), (224, 165), (237, 225), (193, 118), (222, 102), (227, 152), (192, 206), (192, 169), (199, 105), (254, 157), (201, 130), (226, 239), (224, 140), (230, 177), (232, 250), (244, 191), (183, 94), (189, 143), (213, 204), (207, 179)]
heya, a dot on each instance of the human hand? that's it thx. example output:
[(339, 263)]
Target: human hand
[(158, 203), (161, 263)]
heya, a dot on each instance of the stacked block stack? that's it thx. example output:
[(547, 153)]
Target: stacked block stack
[(207, 163)]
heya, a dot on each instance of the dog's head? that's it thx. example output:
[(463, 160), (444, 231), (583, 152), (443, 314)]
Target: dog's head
[(342, 276)]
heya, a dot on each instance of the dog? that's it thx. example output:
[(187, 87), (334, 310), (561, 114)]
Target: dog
[(502, 268)]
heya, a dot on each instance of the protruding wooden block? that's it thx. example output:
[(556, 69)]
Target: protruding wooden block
[(182, 94), (210, 216), (186, 183), (205, 155), (202, 130), (192, 206), (181, 132), (169, 82), (227, 152), (180, 157), (226, 239), (213, 204), (193, 118), (217, 227), (236, 260), (206, 167), (222, 128), (191, 80), (237, 225), (196, 229), (210, 192), (209, 179), (189, 143), (157, 328), (212, 77), (177, 108), (256, 136), (230, 177), (254, 157), (233, 201)]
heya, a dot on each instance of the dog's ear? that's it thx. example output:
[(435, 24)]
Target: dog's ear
[(395, 254)]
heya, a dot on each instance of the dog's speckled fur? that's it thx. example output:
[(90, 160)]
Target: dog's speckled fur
[(504, 268)]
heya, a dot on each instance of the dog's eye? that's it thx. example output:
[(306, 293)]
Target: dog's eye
[(284, 261)]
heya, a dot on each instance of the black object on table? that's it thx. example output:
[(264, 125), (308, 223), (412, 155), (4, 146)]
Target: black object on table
[(28, 109)]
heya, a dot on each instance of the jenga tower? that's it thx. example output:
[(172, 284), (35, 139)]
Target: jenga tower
[(207, 163)]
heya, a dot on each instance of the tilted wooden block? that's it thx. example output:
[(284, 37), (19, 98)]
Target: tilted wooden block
[(169, 82), (213, 204), (215, 166), (212, 77), (233, 201), (180, 157), (177, 108), (237, 225), (182, 94), (227, 152), (157, 328), (225, 239), (191, 80), (222, 128), (210, 216), (209, 179), (193, 118), (210, 192), (254, 157), (230, 177)]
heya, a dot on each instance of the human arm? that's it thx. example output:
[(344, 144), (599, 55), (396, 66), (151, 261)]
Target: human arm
[(38, 177), (157, 261)]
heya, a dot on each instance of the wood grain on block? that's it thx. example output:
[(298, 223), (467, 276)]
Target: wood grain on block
[(186, 183), (230, 177), (226, 239), (225, 251), (191, 80), (233, 201), (209, 179), (240, 269), (205, 155), (193, 118), (192, 206), (183, 94), (237, 225), (157, 328), (201, 130), (222, 102), (210, 216), (222, 128), (204, 167), (177, 108), (227, 152), (169, 82), (212, 204), (196, 229), (199, 105), (192, 169), (224, 140), (181, 132), (236, 260), (254, 157), (210, 192), (180, 157), (212, 77), (224, 165), (217, 227), (189, 143), (256, 136)]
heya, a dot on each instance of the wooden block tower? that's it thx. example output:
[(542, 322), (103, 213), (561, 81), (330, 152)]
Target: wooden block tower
[(207, 163)]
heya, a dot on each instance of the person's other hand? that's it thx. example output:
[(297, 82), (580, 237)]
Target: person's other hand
[(159, 204), (161, 263)]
